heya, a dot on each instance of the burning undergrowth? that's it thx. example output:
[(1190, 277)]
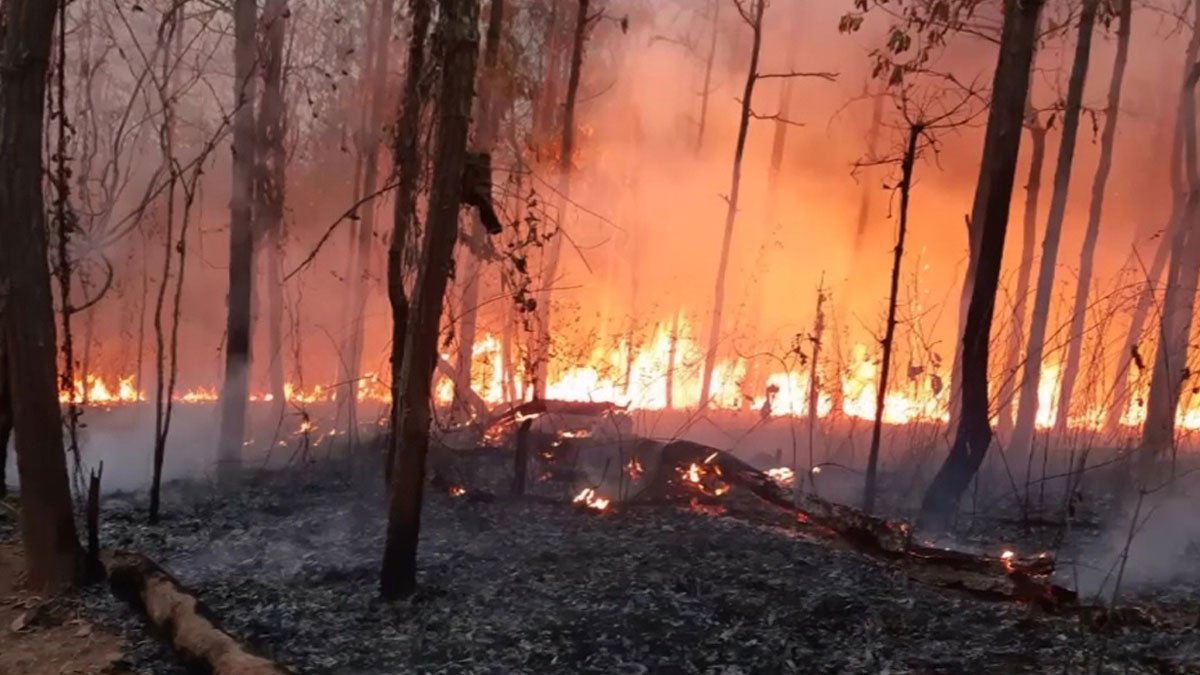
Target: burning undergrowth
[(290, 565)]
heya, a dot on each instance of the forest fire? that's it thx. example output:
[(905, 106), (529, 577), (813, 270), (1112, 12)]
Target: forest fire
[(919, 400)]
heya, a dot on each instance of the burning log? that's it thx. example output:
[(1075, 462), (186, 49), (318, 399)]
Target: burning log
[(686, 464), (180, 618), (539, 407)]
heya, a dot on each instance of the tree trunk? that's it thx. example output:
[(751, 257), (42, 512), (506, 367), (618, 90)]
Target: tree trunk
[(708, 69), (487, 112), (755, 381), (550, 266), (406, 154), (1016, 336), (1176, 221), (1092, 234), (1027, 408), (889, 333), (271, 186), (1170, 359), (714, 332), (236, 388), (167, 142), (52, 552), (1002, 144), (366, 226), (458, 35)]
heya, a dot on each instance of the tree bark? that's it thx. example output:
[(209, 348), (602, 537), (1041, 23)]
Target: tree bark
[(52, 552), (1002, 144), (458, 35), (714, 332), (236, 388), (1095, 209), (1016, 336), (407, 158), (487, 112), (550, 265), (889, 334), (1028, 404)]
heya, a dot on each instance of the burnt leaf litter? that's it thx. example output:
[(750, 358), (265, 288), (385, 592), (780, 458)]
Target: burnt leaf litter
[(289, 564)]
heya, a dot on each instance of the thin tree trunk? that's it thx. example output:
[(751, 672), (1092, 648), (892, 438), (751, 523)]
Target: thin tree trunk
[(1022, 439), (889, 332), (1016, 336), (1179, 192), (366, 231), (487, 112), (755, 379), (550, 266), (1170, 359), (407, 158), (714, 333), (672, 355), (167, 141), (1002, 144), (1095, 209), (708, 69), (52, 553), (271, 186), (236, 388), (458, 33)]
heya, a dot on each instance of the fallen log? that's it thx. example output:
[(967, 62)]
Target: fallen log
[(179, 617), (539, 407), (684, 466)]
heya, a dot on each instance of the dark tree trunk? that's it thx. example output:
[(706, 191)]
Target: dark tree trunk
[(1002, 144), (236, 388), (714, 330), (52, 552), (407, 159), (459, 37), (521, 458), (487, 112), (1086, 257), (1016, 336), (1021, 442), (550, 267), (889, 333)]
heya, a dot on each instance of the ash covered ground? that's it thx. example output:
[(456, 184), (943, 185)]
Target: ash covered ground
[(289, 563)]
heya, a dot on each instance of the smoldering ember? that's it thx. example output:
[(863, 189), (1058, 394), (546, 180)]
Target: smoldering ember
[(599, 336)]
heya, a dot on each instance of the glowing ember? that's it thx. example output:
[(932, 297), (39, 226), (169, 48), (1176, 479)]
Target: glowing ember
[(1007, 558), (457, 491), (781, 475), (704, 477), (590, 499), (634, 468), (575, 433)]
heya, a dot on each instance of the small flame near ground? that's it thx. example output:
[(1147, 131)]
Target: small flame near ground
[(457, 491), (591, 500)]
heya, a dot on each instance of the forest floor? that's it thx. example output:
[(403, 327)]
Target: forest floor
[(40, 637), (290, 565)]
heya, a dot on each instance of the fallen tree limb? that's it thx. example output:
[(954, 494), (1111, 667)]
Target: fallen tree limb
[(179, 617), (683, 464), (552, 407)]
